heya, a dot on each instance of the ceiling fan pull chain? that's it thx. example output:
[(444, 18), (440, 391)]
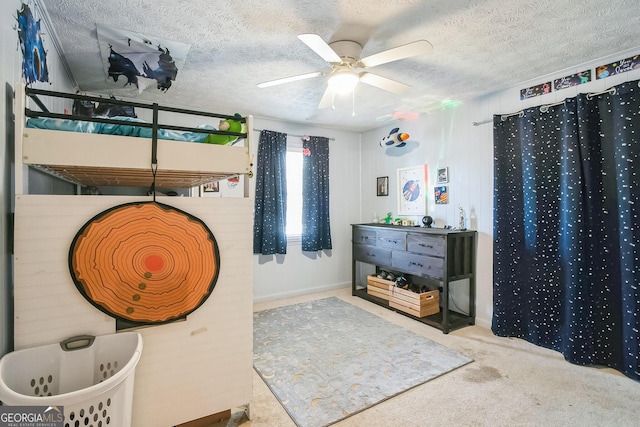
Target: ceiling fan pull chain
[(353, 103)]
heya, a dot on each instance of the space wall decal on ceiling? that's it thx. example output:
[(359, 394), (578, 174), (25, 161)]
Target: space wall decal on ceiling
[(34, 56), (140, 60)]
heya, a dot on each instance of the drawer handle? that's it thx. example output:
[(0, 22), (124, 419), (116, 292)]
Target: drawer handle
[(417, 264), (426, 246), (365, 238), (370, 254)]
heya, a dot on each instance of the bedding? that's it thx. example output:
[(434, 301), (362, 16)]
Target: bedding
[(117, 129)]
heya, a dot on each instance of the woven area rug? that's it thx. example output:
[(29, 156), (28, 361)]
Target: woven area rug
[(326, 360)]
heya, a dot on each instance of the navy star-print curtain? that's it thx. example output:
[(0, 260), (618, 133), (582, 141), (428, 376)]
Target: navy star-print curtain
[(269, 218), (316, 231), (567, 230)]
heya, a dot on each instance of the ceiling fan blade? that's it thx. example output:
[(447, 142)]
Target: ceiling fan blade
[(384, 83), (419, 47), (320, 47), (289, 79), (327, 99)]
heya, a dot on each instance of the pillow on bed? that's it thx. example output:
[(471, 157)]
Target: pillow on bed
[(113, 110), (83, 108), (103, 109)]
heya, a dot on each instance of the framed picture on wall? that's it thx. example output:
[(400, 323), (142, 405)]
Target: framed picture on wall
[(211, 187), (440, 195), (382, 186), (412, 190), (443, 175)]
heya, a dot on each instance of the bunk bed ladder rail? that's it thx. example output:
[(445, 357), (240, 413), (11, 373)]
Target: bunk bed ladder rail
[(154, 150)]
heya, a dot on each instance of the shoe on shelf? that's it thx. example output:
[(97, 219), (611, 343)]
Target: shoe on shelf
[(383, 274), (403, 282)]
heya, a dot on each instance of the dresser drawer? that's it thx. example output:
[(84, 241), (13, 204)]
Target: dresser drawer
[(426, 244), (391, 239), (420, 265), (372, 255), (364, 236)]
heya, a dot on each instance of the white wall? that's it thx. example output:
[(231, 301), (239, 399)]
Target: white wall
[(300, 272), (10, 73), (449, 138)]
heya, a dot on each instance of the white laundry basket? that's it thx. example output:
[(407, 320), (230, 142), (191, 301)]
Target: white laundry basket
[(91, 377)]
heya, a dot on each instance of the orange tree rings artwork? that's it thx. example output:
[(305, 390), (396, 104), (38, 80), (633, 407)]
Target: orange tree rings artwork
[(145, 262)]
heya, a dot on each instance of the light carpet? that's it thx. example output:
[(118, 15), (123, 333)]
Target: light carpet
[(326, 359)]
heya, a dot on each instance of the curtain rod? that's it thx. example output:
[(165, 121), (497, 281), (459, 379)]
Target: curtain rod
[(482, 122), (292, 134), (545, 108), (612, 91)]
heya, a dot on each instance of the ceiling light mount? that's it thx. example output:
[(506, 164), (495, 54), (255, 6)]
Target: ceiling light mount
[(348, 51), (343, 81)]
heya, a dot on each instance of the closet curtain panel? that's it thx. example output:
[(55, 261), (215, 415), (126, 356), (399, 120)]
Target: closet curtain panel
[(567, 228), (316, 230), (270, 216)]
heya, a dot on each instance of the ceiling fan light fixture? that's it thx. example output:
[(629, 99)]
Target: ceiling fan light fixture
[(343, 82)]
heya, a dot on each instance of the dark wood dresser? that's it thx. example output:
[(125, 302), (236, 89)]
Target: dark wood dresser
[(438, 256)]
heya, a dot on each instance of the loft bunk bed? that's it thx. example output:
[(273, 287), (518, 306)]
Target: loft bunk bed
[(44, 227), (139, 154)]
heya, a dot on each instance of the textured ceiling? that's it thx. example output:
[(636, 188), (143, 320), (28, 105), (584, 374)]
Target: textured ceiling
[(480, 46)]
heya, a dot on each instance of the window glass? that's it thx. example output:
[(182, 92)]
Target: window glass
[(294, 188)]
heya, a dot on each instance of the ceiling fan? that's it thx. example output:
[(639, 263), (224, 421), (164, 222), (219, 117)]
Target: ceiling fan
[(347, 67)]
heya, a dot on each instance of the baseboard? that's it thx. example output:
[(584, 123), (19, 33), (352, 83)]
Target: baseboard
[(305, 291), (209, 420), (483, 323)]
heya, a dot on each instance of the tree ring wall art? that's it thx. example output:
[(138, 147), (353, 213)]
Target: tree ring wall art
[(145, 262)]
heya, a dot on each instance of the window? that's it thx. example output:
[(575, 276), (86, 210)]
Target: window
[(294, 188), (298, 171)]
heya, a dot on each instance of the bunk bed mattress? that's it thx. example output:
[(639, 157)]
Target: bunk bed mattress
[(116, 129)]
